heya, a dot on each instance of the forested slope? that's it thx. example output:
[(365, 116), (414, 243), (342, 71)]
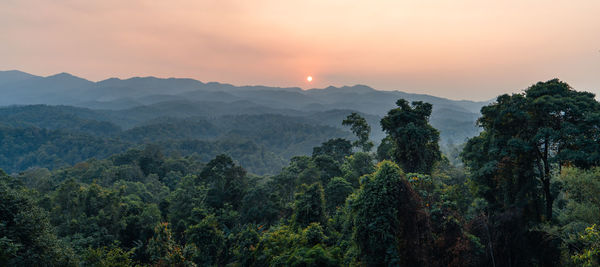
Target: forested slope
[(228, 190)]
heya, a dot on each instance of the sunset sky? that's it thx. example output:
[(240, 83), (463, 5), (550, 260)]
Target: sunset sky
[(456, 49)]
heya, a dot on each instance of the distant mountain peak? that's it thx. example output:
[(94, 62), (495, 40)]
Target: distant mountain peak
[(361, 87), (113, 79), (137, 78), (62, 74), (10, 76), (16, 72), (358, 88)]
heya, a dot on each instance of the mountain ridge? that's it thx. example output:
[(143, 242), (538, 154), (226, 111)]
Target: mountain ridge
[(356, 87), (150, 97)]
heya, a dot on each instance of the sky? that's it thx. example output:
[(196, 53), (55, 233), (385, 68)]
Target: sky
[(459, 49)]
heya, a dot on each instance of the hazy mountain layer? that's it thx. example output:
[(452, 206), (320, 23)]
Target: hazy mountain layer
[(131, 102)]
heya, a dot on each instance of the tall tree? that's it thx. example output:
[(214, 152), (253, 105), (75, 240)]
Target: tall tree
[(526, 136), (416, 147), (360, 127), (309, 206), (391, 226)]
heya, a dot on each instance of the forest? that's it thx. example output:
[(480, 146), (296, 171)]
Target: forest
[(87, 187)]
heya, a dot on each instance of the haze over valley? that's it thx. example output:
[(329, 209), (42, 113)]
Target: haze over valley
[(139, 110)]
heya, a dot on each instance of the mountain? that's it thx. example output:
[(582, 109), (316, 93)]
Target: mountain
[(12, 76), (130, 102)]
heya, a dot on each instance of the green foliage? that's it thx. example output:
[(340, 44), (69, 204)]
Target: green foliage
[(313, 234), (361, 129), (578, 206), (311, 257), (336, 192), (57, 136), (26, 236), (63, 118), (112, 256), (205, 242), (309, 206), (275, 242), (580, 200), (338, 149), (301, 170), (226, 182), (246, 242), (526, 136), (162, 249), (82, 212), (182, 201), (589, 255), (385, 150), (357, 165), (327, 166), (283, 246), (260, 206), (391, 227), (22, 148), (185, 200), (416, 146)]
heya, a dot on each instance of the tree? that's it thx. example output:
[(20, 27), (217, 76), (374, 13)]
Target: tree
[(589, 256), (391, 226), (183, 200), (579, 201), (337, 148), (527, 136), (205, 242), (309, 206), (245, 246), (162, 249), (26, 236), (260, 205), (328, 167), (336, 192), (415, 141), (315, 256), (357, 165), (113, 256), (226, 182), (151, 160), (578, 206), (360, 127), (385, 150)]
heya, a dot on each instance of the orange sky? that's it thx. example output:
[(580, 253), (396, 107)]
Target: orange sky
[(458, 49)]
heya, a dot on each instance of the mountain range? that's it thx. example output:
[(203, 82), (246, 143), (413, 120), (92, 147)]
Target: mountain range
[(134, 101)]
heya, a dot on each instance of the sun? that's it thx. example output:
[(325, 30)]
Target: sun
[(309, 79)]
